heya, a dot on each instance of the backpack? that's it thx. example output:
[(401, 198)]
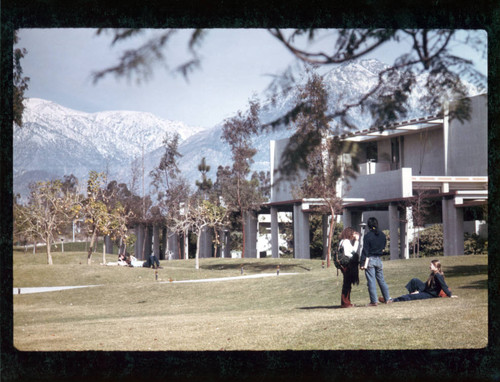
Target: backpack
[(340, 260)]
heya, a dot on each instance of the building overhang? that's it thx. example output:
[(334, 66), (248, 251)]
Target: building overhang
[(396, 129), (462, 199)]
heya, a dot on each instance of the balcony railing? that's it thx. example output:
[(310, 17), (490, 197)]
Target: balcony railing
[(372, 167)]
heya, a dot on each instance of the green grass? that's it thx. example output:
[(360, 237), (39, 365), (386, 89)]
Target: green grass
[(133, 311)]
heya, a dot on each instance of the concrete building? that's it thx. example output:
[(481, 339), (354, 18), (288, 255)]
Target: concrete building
[(437, 158)]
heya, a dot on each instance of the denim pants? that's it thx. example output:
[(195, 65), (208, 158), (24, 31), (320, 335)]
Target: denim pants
[(375, 274), (413, 286)]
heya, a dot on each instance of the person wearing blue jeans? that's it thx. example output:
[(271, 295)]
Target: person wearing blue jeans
[(373, 245)]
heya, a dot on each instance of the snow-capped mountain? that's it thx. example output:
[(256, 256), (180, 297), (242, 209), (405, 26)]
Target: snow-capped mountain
[(55, 141)]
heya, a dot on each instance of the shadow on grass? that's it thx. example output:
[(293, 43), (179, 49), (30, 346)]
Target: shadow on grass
[(319, 307), (466, 270), (257, 267), (480, 284)]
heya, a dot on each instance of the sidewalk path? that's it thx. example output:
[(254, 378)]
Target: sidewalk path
[(258, 275), (47, 289), (52, 289)]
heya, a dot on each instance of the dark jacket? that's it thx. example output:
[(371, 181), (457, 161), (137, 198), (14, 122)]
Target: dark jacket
[(439, 284), (373, 245)]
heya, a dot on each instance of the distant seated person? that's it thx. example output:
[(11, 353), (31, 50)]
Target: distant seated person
[(435, 286), (151, 262), (122, 259)]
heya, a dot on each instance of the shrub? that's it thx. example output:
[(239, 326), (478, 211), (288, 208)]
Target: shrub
[(475, 245), (431, 241)]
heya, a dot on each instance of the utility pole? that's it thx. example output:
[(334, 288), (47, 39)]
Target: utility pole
[(143, 188)]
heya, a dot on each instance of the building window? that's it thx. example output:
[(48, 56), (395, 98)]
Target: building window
[(371, 152)]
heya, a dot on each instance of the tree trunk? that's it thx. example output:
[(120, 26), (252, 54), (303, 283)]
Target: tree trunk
[(197, 256), (144, 242), (104, 250), (418, 244), (331, 228), (89, 253), (179, 251), (49, 256), (198, 241), (243, 234), (216, 242)]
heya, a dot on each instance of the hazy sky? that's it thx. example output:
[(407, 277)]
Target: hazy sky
[(235, 64)]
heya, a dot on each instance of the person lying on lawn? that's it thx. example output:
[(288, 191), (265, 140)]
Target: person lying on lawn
[(122, 261), (151, 262), (435, 286)]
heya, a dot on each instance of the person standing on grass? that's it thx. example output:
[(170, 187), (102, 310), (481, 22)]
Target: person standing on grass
[(435, 286), (349, 240), (373, 245)]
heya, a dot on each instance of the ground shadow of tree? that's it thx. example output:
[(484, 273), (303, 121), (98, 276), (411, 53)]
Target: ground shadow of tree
[(319, 307), (466, 270), (469, 270), (255, 267), (479, 284)]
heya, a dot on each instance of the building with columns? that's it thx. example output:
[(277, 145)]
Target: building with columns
[(437, 158)]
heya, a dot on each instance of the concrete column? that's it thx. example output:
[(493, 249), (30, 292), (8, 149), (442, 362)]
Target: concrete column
[(393, 230), (301, 248), (251, 222), (173, 244), (403, 234), (163, 243), (346, 217), (149, 241), (109, 244), (226, 244), (139, 233), (446, 134), (206, 243), (453, 228), (275, 233), (156, 240)]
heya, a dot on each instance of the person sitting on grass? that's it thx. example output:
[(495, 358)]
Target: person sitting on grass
[(152, 262), (435, 286)]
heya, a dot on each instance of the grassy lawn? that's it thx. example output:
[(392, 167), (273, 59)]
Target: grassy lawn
[(131, 310)]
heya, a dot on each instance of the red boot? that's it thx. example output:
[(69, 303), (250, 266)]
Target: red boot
[(345, 301)]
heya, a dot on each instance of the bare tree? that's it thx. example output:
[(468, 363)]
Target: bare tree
[(48, 210), (420, 207), (94, 209)]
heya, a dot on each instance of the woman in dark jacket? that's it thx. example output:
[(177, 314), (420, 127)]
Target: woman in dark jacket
[(433, 287), (373, 246)]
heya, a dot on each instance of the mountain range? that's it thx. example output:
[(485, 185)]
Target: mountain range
[(55, 141)]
